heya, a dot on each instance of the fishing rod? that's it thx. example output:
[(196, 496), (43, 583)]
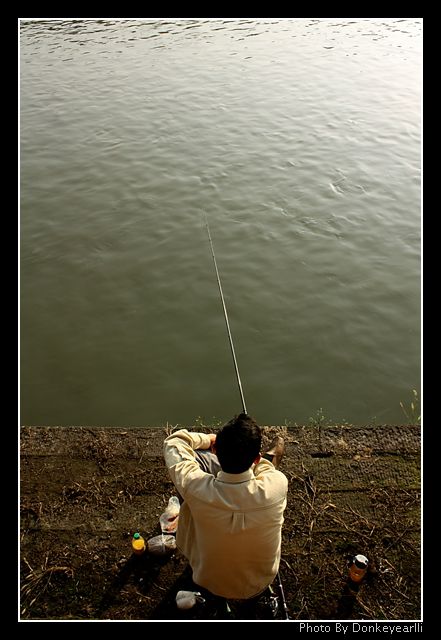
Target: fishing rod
[(282, 594), (230, 338)]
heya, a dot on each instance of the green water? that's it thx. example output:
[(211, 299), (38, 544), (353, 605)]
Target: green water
[(300, 139)]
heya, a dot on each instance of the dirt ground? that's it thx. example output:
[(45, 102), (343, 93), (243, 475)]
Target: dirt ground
[(85, 491)]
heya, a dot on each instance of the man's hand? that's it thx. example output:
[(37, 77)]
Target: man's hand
[(212, 437)]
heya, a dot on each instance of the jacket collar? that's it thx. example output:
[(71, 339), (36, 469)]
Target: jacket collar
[(235, 478)]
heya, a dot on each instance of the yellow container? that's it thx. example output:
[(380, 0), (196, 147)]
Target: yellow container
[(138, 544), (358, 568)]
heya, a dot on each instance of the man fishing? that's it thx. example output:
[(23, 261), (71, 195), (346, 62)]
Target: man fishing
[(233, 502)]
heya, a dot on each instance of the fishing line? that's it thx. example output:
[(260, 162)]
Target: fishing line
[(230, 338)]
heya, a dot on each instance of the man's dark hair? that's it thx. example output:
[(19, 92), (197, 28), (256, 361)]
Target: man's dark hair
[(238, 444)]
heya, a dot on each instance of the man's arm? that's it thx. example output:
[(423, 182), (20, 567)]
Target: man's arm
[(180, 459)]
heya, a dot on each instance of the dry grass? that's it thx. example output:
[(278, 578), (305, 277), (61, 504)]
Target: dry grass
[(322, 537), (38, 580)]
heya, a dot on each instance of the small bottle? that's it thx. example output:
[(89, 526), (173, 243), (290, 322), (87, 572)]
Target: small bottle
[(169, 519), (173, 505), (138, 544), (358, 568)]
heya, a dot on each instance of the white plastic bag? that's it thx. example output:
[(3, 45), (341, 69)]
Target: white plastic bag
[(187, 599), (161, 545)]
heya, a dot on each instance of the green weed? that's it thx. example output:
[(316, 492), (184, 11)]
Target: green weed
[(413, 413)]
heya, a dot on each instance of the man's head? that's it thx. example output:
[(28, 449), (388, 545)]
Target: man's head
[(238, 444)]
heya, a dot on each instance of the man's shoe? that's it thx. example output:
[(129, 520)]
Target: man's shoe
[(276, 451)]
